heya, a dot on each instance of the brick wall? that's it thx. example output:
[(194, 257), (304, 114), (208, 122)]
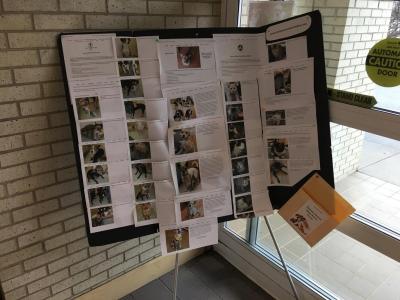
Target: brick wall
[(43, 247)]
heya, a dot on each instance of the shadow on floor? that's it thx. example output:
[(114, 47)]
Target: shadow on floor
[(208, 276)]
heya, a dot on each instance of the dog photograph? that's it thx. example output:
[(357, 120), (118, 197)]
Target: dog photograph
[(92, 132), (241, 185), (240, 166), (94, 153), (234, 112), (188, 176), (88, 108), (177, 239), (142, 171), (278, 148), (125, 68), (146, 211), (300, 222), (279, 171), (138, 130), (238, 148), (183, 109), (96, 174), (275, 117), (191, 209), (136, 67), (101, 216), (144, 191), (188, 57), (276, 52), (132, 88), (243, 204), (140, 150), (126, 47), (185, 141), (236, 131), (99, 196), (233, 91), (282, 82), (135, 109)]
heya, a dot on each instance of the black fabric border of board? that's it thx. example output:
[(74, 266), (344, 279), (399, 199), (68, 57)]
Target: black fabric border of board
[(278, 195)]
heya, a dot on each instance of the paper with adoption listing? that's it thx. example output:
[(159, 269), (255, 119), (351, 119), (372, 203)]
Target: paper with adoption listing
[(186, 61)]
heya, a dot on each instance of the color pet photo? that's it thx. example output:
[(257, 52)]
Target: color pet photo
[(233, 91), (192, 210), (276, 52), (88, 108), (125, 68), (278, 148), (188, 57), (177, 239), (136, 68), (144, 191), (236, 131), (94, 153), (301, 223), (101, 216), (135, 109), (142, 171), (99, 196), (241, 185), (240, 166), (275, 117), (146, 211), (140, 150), (138, 130), (234, 112), (279, 172), (126, 47), (92, 132), (243, 204), (132, 88), (188, 176), (238, 148), (185, 141), (96, 174), (282, 82), (183, 108)]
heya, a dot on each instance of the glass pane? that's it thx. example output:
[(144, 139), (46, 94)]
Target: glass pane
[(239, 227)]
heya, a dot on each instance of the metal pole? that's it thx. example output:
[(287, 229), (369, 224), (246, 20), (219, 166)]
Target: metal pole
[(176, 275), (296, 295)]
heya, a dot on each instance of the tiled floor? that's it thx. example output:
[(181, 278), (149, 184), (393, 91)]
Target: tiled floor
[(208, 276)]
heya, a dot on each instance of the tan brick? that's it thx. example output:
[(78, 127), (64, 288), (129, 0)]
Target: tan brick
[(66, 174), (53, 89), (13, 173), (69, 282), (59, 119), (122, 247), (5, 219), (98, 249), (44, 259), (66, 294), (139, 249), (47, 281), (106, 22), (52, 163), (156, 251), (77, 245), (7, 247), (146, 22), (57, 190), (89, 283), (123, 267), (49, 56), (2, 191), (30, 183), (65, 239), (67, 261), (30, 5), (25, 75), (35, 210), (216, 10), (18, 58), (87, 263), (20, 255), (5, 77), (42, 106), (127, 6), (3, 41), (22, 125), (15, 202), (18, 229), (16, 93), (17, 293), (8, 111), (43, 294), (47, 136), (32, 39), (62, 147), (197, 9), (12, 272), (60, 215), (165, 8), (15, 22), (106, 265), (70, 199), (58, 22), (83, 5), (74, 223), (208, 22), (26, 155), (181, 22), (39, 235), (11, 142)]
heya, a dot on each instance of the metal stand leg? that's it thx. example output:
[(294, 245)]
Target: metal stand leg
[(176, 275), (296, 295)]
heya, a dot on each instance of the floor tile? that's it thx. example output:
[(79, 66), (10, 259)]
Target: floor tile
[(155, 290)]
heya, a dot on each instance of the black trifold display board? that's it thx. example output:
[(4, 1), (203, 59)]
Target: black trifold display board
[(278, 195)]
